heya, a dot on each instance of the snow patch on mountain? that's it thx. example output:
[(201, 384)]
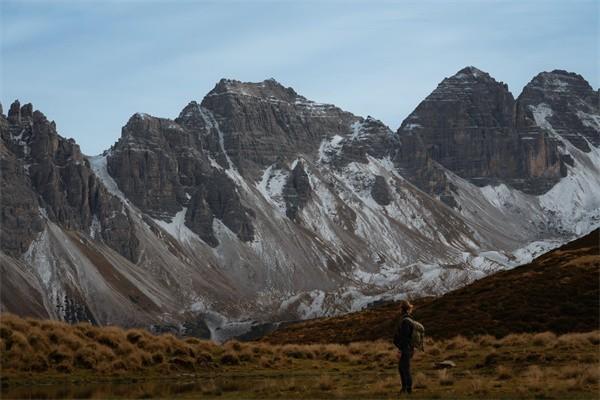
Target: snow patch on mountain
[(541, 112), (330, 148), (580, 190), (177, 228), (589, 120), (98, 165), (271, 187)]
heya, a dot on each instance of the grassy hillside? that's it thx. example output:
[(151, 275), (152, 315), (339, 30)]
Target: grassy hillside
[(559, 292), (84, 361)]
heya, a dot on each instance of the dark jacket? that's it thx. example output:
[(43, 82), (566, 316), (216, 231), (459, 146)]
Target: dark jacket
[(403, 334)]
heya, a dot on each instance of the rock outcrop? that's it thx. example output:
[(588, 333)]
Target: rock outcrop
[(165, 167), (45, 175), (296, 191)]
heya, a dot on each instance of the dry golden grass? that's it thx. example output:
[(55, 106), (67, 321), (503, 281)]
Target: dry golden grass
[(503, 373), (518, 365), (445, 378), (543, 339)]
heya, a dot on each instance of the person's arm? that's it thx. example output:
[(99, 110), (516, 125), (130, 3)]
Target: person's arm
[(398, 336)]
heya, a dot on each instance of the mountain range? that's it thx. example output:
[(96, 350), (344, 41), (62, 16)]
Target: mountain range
[(259, 205)]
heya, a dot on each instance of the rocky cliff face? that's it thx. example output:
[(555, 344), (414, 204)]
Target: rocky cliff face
[(54, 179), (165, 167), (468, 125), (257, 204), (266, 122)]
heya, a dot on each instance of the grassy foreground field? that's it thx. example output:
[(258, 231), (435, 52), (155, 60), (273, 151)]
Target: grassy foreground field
[(517, 366)]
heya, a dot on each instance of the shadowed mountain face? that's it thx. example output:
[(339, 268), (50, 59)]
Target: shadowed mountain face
[(556, 292), (257, 204), (472, 125)]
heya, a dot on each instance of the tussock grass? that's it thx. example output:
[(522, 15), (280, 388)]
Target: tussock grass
[(445, 378), (517, 365)]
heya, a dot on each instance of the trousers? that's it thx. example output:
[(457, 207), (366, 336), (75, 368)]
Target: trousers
[(404, 369)]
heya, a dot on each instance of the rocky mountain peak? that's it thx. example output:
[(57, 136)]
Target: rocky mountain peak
[(193, 116), (471, 85), (145, 128), (14, 112), (268, 89), (17, 112), (469, 125), (559, 80), (259, 123), (471, 72), (561, 103)]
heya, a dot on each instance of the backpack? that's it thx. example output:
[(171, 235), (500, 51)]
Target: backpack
[(417, 340)]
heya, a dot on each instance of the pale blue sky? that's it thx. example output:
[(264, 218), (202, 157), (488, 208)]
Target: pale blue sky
[(89, 65)]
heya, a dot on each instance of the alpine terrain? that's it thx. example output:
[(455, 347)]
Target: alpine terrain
[(258, 205)]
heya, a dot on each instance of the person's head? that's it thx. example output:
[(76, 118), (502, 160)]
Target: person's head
[(406, 307)]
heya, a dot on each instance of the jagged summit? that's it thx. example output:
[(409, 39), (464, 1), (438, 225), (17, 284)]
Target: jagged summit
[(559, 80), (467, 81), (267, 89), (471, 72)]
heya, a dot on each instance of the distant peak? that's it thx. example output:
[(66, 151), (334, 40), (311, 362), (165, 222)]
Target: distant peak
[(139, 117), (471, 72), (269, 88), (193, 111), (558, 80), (272, 81), (559, 74)]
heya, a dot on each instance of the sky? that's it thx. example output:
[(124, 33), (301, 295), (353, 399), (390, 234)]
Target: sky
[(90, 65)]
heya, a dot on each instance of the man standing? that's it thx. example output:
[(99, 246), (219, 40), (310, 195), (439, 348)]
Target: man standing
[(403, 341)]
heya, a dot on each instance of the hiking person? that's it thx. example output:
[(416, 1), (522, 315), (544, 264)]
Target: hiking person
[(408, 336)]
